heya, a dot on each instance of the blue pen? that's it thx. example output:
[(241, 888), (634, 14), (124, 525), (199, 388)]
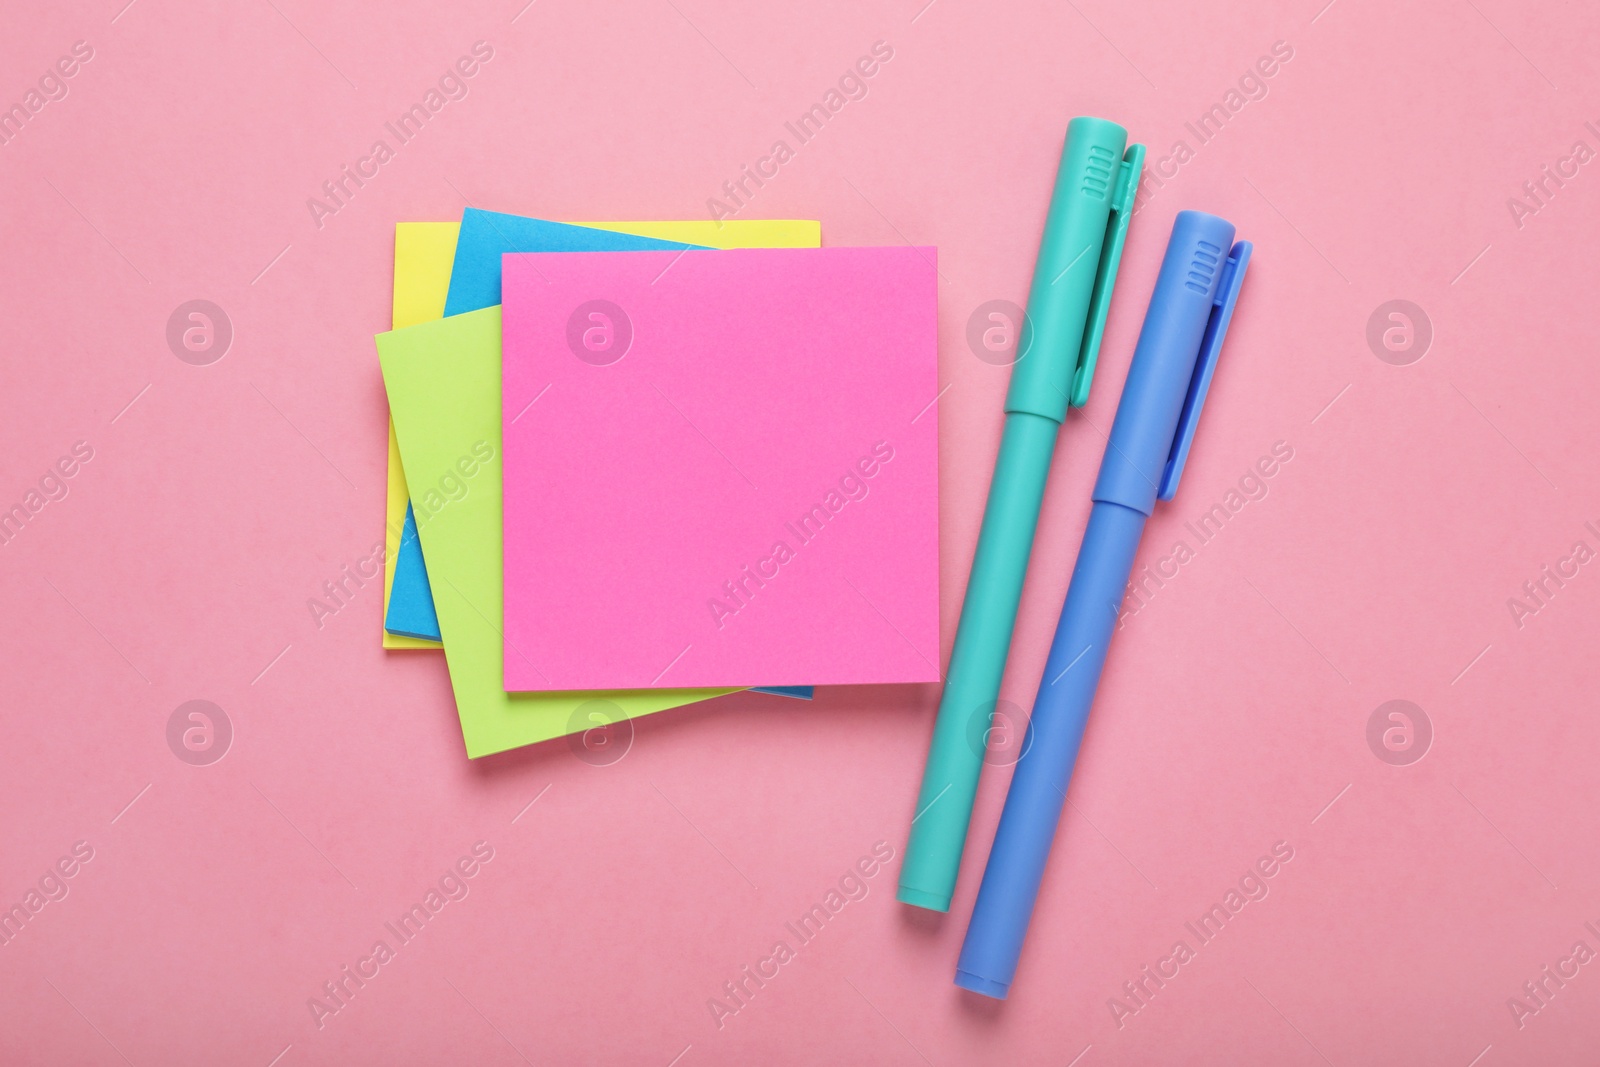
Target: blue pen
[(1167, 384)]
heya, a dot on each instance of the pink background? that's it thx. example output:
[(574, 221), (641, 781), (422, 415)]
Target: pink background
[(1235, 704)]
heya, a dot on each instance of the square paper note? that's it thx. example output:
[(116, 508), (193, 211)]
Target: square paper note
[(443, 382), (721, 468)]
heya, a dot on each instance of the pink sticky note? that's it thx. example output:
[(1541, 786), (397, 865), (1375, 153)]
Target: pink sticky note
[(721, 468)]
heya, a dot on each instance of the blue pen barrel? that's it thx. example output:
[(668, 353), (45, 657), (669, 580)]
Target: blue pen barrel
[(1039, 785)]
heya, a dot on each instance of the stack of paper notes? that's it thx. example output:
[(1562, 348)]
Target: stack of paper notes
[(652, 463)]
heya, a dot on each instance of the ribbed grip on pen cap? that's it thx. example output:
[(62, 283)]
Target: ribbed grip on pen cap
[(1164, 361), (1068, 262), (1098, 170)]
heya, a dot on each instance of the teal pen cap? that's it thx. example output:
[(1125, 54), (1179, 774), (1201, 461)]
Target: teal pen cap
[(1058, 342), (1079, 254)]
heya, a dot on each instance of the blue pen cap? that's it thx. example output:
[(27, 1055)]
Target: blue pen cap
[(1196, 269)]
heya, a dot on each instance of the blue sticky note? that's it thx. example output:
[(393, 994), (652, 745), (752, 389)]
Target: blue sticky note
[(475, 285), (411, 611), (487, 235), (799, 692)]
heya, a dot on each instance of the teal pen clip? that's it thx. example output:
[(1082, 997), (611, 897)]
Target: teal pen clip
[(1073, 278)]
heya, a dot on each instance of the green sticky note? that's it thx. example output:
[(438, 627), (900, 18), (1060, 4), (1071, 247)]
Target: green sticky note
[(443, 380)]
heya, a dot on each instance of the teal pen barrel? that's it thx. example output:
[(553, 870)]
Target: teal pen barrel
[(988, 614), (1039, 786), (1078, 254)]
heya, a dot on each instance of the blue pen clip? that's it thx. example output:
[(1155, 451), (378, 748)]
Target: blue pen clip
[(1205, 366)]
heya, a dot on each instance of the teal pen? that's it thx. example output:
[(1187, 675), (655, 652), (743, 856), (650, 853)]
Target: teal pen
[(1058, 345)]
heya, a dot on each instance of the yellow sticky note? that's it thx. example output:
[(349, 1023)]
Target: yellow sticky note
[(423, 252)]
